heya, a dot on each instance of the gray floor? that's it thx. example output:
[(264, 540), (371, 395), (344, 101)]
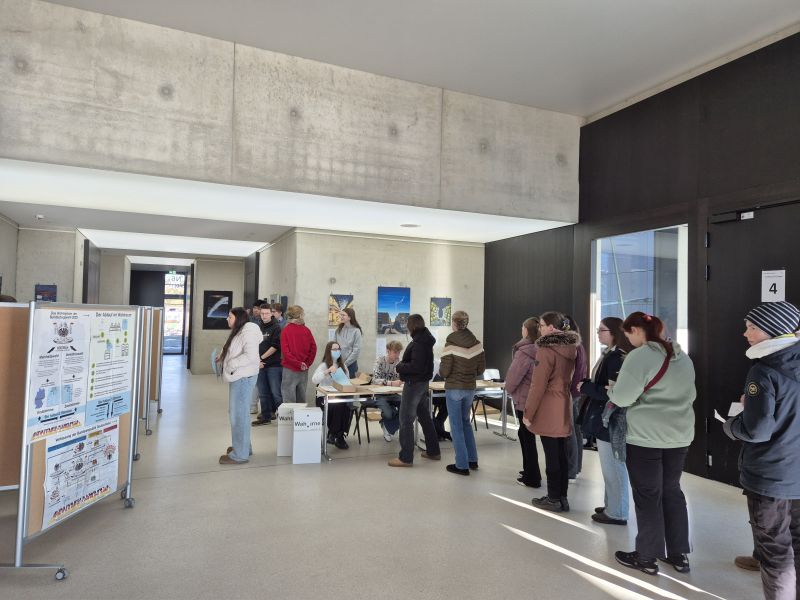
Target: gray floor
[(353, 528)]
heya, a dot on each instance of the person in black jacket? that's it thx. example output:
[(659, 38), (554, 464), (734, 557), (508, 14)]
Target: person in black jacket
[(415, 371), (615, 474), (769, 426), (270, 376)]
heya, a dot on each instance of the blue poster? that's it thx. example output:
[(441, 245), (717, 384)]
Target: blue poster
[(394, 308)]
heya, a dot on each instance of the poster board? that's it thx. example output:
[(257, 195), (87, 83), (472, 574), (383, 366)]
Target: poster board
[(13, 360), (144, 360), (156, 348)]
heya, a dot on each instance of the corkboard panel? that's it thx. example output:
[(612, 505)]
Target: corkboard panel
[(13, 362)]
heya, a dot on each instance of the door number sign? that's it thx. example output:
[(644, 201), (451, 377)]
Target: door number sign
[(773, 286)]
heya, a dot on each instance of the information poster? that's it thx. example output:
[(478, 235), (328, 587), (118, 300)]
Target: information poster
[(110, 365), (59, 370), (82, 468)]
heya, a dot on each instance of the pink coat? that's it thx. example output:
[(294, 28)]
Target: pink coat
[(520, 373)]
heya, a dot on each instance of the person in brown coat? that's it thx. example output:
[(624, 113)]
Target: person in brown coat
[(548, 409)]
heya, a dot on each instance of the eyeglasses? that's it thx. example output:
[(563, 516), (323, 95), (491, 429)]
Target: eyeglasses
[(600, 330)]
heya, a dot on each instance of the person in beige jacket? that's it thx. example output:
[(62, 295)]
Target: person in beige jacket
[(240, 364)]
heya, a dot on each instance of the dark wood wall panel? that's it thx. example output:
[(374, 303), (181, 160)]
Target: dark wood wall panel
[(250, 279)]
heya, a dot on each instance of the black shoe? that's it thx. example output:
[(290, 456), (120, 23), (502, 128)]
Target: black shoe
[(564, 504), (634, 561), (599, 509), (602, 517), (258, 422), (340, 442), (548, 503), (456, 470), (473, 466), (533, 484), (680, 562), (445, 436), (331, 438)]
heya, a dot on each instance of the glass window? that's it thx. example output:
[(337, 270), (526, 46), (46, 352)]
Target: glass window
[(174, 284), (644, 271)]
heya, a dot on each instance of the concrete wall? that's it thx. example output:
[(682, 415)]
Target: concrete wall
[(114, 279), (278, 268), (85, 89), (212, 275), (9, 234), (46, 257), (361, 264)]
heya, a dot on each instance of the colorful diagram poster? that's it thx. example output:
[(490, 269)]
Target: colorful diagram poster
[(59, 369), (110, 365), (82, 468)]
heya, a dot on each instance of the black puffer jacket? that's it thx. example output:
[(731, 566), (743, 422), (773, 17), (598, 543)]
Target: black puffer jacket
[(770, 426), (417, 363), (595, 390)]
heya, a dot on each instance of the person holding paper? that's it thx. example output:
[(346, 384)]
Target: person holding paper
[(769, 426), (385, 373), (329, 370)]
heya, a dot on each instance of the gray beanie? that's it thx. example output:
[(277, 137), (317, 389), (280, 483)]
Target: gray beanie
[(775, 318)]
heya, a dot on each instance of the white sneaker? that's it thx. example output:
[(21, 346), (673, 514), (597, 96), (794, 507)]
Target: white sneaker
[(386, 435)]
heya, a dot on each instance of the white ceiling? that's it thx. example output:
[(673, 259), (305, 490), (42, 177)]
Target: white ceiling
[(573, 56)]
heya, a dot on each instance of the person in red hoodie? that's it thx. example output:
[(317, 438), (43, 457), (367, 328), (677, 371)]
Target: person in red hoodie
[(298, 351)]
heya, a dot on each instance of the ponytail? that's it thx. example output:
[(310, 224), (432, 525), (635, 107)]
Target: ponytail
[(653, 329)]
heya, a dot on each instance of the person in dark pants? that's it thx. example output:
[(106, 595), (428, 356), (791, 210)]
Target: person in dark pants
[(518, 384), (769, 426), (271, 374), (548, 408), (656, 384), (415, 371), (575, 445)]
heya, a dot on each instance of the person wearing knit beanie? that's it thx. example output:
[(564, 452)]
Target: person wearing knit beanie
[(775, 318)]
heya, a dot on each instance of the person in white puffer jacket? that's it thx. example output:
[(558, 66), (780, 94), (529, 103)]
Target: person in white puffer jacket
[(240, 364)]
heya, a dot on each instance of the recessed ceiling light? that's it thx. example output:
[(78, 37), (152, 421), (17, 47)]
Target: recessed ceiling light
[(39, 217), (409, 225)]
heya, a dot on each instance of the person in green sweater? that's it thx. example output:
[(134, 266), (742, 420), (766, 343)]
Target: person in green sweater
[(656, 384)]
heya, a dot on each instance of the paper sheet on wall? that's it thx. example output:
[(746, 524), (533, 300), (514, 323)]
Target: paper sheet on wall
[(110, 365), (82, 468), (59, 369)]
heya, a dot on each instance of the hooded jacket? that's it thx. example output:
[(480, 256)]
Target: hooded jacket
[(242, 358), (607, 369), (549, 403), (417, 363), (463, 361), (520, 373), (770, 425)]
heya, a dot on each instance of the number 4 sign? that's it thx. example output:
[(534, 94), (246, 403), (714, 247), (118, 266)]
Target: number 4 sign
[(773, 286)]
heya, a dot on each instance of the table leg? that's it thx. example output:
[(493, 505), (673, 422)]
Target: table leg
[(325, 429)]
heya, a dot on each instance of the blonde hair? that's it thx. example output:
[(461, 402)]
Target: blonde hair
[(394, 346), (460, 319), (295, 312)]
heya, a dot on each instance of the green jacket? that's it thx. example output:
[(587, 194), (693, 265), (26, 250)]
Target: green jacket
[(463, 361), (662, 417)]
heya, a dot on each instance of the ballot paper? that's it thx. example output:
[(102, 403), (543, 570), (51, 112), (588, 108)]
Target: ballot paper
[(341, 377), (735, 409)]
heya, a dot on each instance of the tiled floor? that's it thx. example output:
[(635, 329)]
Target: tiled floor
[(353, 528)]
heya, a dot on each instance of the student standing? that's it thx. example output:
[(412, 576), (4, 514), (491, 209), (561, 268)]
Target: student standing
[(518, 384), (338, 412), (349, 336), (548, 408), (277, 314), (769, 426), (463, 361), (656, 383), (271, 374), (240, 363), (298, 351), (385, 373), (575, 444), (416, 370)]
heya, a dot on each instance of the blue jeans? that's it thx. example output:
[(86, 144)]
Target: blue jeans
[(615, 477), (269, 390), (239, 393), (459, 406), (390, 412), (352, 370)]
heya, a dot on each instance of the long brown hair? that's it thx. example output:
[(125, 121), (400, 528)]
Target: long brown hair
[(556, 319), (652, 326), (242, 319), (327, 358), (620, 340), (352, 314), (415, 323), (531, 325)]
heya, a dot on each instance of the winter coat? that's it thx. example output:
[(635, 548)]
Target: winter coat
[(663, 416), (271, 339), (463, 361), (297, 346), (242, 358), (518, 377), (549, 403), (769, 425), (349, 340), (417, 363), (581, 371), (594, 389)]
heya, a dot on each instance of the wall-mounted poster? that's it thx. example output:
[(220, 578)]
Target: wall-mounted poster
[(394, 307), (336, 304), (441, 312), (274, 298), (216, 306), (45, 293)]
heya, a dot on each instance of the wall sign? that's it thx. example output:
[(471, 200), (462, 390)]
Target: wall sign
[(773, 286)]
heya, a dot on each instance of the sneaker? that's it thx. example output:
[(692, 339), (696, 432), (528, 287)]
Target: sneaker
[(340, 442), (386, 435), (679, 561), (535, 484), (548, 503), (599, 509), (601, 517), (748, 563), (396, 462), (634, 561), (431, 456), (473, 466), (258, 422), (456, 470)]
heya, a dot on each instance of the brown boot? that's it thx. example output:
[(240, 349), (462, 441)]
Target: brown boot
[(227, 460), (748, 563), (396, 462)]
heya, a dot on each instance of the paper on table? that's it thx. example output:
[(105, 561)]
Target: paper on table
[(735, 409), (719, 417)]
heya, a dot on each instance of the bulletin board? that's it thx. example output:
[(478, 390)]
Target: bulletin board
[(13, 361), (156, 350)]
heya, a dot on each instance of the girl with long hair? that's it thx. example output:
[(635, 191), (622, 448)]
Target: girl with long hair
[(338, 412), (349, 336)]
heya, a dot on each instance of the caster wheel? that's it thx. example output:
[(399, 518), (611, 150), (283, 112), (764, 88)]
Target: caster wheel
[(61, 574), (149, 432), (136, 456), (160, 411), (122, 494), (130, 502)]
